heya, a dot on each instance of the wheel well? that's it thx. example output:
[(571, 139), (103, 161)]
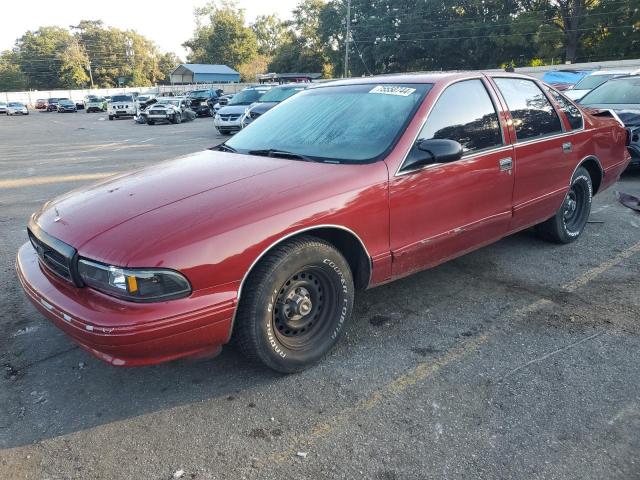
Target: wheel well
[(595, 172), (350, 246)]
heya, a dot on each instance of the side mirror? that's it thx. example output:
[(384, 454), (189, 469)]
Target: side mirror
[(434, 150)]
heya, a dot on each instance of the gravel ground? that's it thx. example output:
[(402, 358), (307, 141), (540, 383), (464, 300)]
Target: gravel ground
[(520, 360)]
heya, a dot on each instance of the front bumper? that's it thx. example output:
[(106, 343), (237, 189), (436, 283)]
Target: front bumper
[(229, 125), (125, 333)]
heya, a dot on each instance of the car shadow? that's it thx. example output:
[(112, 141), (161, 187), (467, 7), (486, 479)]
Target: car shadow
[(51, 387)]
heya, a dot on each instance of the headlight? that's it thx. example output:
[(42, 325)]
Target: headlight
[(134, 284)]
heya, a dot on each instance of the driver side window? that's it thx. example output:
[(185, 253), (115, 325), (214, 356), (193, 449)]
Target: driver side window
[(465, 113)]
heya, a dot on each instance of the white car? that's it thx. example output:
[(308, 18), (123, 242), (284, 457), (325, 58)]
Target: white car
[(3, 107), (122, 106), (17, 108), (229, 119), (591, 81), (169, 109)]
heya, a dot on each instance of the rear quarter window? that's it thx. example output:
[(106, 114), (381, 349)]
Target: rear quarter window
[(570, 110), (532, 114)]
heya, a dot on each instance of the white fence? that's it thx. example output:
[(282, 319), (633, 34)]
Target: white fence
[(29, 98)]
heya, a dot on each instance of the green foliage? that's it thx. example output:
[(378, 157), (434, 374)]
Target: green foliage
[(221, 36), (270, 34), (54, 58)]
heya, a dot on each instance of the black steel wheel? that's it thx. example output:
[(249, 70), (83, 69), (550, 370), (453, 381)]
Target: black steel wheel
[(569, 221), (295, 305)]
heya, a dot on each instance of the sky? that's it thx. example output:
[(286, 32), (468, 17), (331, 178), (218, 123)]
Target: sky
[(168, 24)]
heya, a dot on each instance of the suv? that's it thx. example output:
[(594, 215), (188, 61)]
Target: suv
[(52, 104), (201, 101), (122, 106), (93, 103), (229, 119)]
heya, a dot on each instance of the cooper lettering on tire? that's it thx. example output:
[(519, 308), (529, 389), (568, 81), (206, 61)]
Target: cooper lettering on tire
[(295, 304), (570, 219)]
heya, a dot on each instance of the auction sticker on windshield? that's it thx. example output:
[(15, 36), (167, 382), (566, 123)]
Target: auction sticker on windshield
[(393, 90)]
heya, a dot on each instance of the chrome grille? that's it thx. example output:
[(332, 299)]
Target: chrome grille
[(230, 117)]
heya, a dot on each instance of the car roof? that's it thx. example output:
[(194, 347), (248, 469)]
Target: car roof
[(423, 77), (610, 72)]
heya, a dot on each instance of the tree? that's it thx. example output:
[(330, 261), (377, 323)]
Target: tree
[(74, 65), (270, 33), (39, 54), (221, 36), (249, 71), (11, 77)]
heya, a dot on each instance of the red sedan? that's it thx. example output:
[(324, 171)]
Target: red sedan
[(345, 186)]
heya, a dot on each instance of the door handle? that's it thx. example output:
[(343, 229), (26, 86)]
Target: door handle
[(506, 164), (567, 147)]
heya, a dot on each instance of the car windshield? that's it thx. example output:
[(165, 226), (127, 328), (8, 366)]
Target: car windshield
[(614, 92), (592, 81), (350, 123), (122, 98), (199, 94), (15, 104), (143, 98), (246, 97), (167, 101), (280, 94), (66, 102), (96, 99)]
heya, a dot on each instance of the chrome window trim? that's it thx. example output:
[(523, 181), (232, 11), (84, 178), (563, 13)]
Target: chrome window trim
[(398, 172), (468, 156)]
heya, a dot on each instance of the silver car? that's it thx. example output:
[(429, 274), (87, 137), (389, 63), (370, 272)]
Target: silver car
[(17, 108), (3, 107), (229, 119)]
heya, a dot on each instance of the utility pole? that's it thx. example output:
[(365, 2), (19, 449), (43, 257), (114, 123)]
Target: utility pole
[(90, 73), (347, 40)]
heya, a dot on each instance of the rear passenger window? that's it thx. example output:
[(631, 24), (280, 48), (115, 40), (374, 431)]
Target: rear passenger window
[(532, 113), (464, 113), (570, 110)]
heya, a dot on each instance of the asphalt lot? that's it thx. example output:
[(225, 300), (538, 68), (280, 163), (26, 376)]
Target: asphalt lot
[(521, 360)]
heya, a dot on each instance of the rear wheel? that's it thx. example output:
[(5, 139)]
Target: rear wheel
[(177, 118), (296, 303), (569, 221), (151, 122), (110, 117)]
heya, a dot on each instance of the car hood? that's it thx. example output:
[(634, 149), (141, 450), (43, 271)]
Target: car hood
[(628, 113), (155, 215), (263, 107), (233, 109)]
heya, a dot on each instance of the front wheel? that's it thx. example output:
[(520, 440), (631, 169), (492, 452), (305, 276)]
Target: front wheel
[(569, 221), (295, 306)]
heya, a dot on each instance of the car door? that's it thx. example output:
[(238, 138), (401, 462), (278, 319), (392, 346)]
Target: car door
[(443, 210), (544, 154)]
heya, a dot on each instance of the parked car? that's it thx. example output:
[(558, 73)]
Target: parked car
[(270, 99), (201, 101), (228, 119), (17, 108), (171, 110), (52, 105), (41, 104), (350, 184), (122, 106), (563, 80), (66, 105), (3, 107), (142, 100), (94, 103), (223, 101), (591, 81), (622, 96)]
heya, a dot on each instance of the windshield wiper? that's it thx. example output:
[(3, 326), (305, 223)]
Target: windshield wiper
[(271, 152), (223, 147)]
